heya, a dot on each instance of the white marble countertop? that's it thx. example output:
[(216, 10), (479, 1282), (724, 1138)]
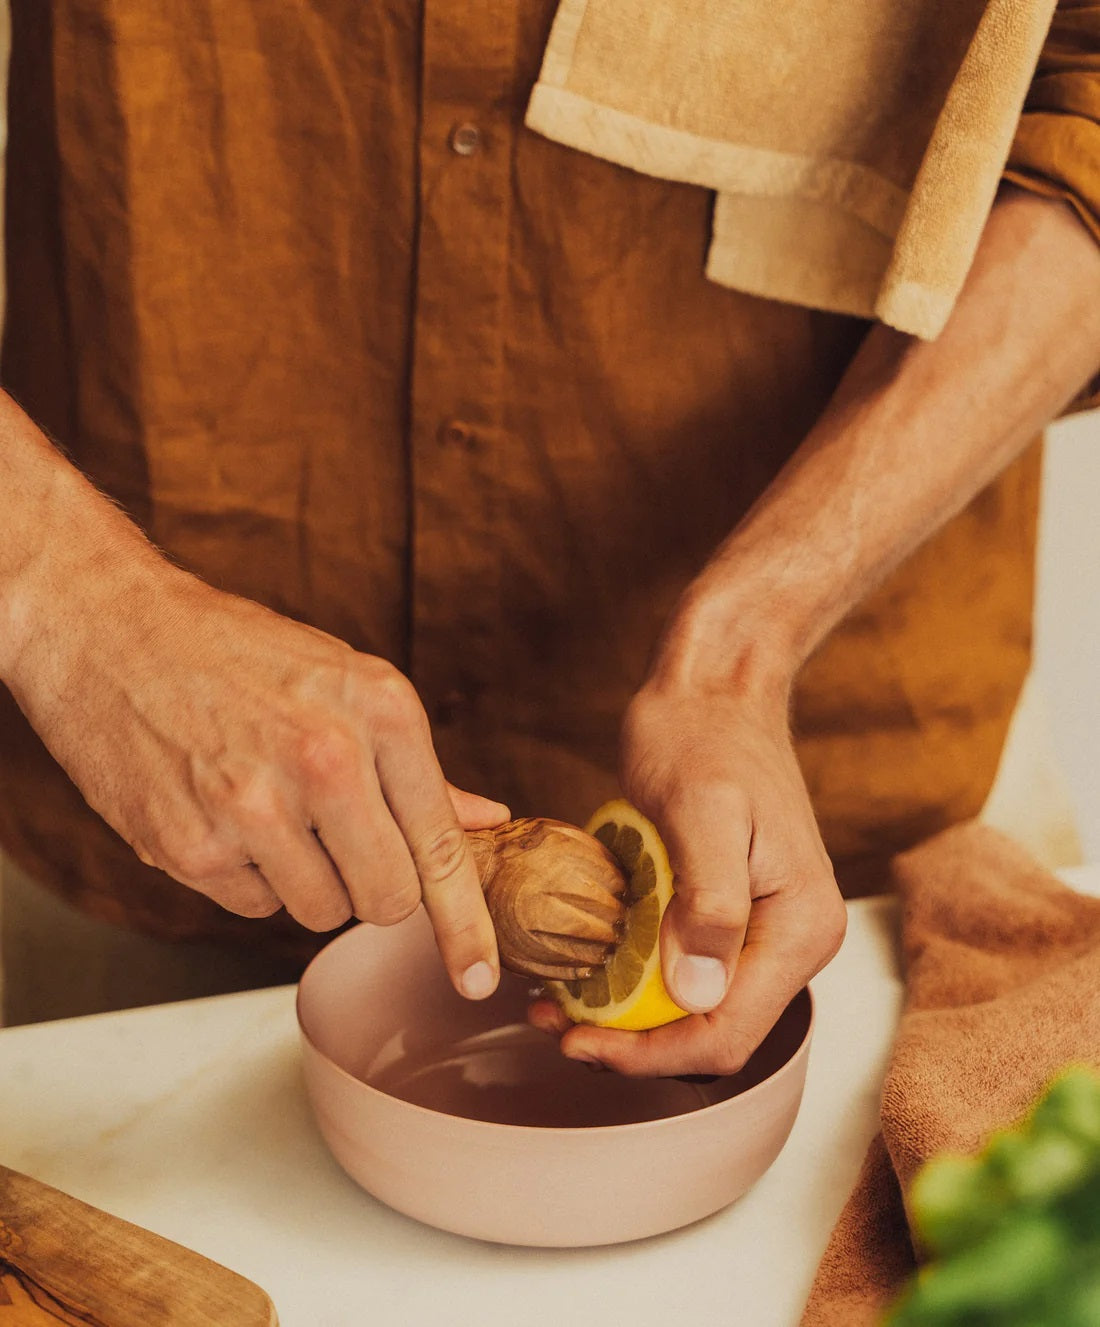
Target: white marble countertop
[(191, 1119)]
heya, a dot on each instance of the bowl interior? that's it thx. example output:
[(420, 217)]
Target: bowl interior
[(377, 1004)]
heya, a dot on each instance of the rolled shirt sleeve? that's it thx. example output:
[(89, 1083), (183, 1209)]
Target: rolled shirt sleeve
[(1056, 151)]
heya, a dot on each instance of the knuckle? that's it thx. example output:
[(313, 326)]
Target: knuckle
[(238, 792), (245, 901), (389, 909), (710, 790), (265, 905), (832, 926), (712, 802), (255, 803), (143, 854), (329, 756), (442, 854), (196, 857), (731, 1055), (324, 914), (823, 916), (394, 701), (464, 937), (718, 909), (726, 1064)]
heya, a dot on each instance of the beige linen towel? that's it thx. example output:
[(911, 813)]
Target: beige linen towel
[(855, 145), (1002, 971)]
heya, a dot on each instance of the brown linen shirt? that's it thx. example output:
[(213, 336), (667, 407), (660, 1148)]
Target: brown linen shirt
[(296, 287)]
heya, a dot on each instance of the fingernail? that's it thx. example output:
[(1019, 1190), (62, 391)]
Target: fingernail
[(700, 982), (478, 981)]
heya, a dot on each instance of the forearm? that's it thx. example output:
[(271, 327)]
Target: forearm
[(915, 430), (56, 529), (258, 760)]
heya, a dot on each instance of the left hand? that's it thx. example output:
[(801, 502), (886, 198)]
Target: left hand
[(757, 911)]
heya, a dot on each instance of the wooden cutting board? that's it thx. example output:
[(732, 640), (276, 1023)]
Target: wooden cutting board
[(62, 1261)]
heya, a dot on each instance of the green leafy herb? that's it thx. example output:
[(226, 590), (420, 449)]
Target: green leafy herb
[(1013, 1233)]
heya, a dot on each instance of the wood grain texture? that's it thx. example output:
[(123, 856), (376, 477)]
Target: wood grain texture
[(555, 895), (63, 1261)]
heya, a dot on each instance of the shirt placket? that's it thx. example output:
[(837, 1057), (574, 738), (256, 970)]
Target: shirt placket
[(466, 127)]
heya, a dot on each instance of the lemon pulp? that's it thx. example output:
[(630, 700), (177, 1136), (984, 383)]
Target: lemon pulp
[(628, 991)]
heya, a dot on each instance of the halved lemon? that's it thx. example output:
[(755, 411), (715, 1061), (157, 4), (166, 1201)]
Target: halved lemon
[(628, 991)]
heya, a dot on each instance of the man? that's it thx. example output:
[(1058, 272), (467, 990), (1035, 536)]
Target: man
[(299, 291)]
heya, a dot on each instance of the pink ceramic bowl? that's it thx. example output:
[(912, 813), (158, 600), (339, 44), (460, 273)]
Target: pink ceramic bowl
[(462, 1116)]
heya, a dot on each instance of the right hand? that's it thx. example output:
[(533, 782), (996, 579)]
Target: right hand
[(259, 761)]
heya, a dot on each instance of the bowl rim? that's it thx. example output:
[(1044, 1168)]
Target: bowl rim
[(523, 1129)]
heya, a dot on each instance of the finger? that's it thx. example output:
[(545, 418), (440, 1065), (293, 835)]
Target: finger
[(243, 891), (793, 935), (416, 793), (547, 1016), (368, 849), (302, 874), (476, 812), (685, 1047), (790, 938), (704, 925)]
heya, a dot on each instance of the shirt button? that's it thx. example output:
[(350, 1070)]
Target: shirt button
[(465, 139), (453, 433)]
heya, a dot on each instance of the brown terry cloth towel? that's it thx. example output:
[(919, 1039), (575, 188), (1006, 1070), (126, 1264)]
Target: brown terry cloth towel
[(856, 145), (1002, 967)]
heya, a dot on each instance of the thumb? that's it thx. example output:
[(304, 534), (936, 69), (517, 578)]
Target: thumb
[(704, 927), (475, 812)]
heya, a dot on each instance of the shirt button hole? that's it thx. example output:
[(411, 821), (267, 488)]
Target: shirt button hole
[(454, 433)]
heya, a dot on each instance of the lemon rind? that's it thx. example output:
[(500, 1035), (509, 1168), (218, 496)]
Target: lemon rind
[(649, 1005)]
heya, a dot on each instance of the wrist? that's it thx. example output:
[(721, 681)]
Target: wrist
[(718, 639), (68, 570)]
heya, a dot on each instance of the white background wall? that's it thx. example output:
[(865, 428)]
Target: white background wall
[(1067, 619)]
